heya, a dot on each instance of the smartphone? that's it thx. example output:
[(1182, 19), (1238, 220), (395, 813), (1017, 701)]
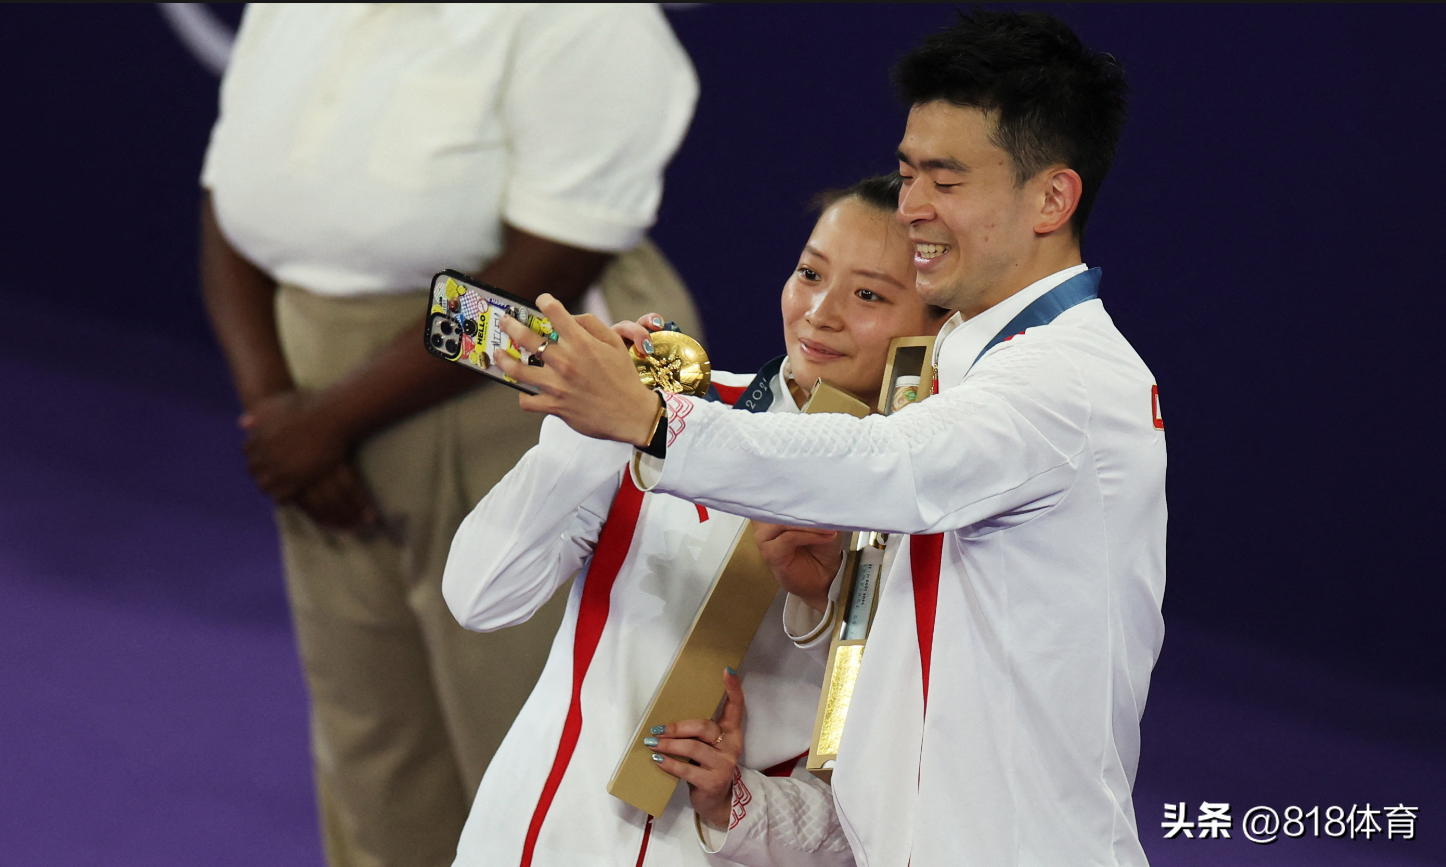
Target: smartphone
[(464, 324)]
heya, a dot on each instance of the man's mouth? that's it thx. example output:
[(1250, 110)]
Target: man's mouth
[(929, 251)]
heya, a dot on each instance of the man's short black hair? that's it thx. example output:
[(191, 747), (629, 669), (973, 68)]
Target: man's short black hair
[(1054, 100)]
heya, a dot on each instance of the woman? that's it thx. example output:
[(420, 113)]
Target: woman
[(644, 564)]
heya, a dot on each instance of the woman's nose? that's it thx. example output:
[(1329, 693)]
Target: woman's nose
[(824, 312)]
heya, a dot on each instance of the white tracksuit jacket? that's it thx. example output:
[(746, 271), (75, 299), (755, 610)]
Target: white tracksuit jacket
[(1043, 467), (546, 521)]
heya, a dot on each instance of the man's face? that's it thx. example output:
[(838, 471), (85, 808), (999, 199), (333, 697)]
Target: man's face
[(967, 218)]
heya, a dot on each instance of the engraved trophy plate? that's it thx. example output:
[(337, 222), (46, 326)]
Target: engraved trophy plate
[(866, 558), (720, 635)]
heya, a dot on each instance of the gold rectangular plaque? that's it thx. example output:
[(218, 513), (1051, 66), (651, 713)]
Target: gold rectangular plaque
[(863, 571), (721, 632)]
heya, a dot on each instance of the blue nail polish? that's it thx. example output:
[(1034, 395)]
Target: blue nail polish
[(650, 742), (657, 730), (658, 321), (729, 669), (647, 346), (657, 758)]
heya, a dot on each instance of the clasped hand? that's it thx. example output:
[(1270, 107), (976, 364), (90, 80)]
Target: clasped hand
[(297, 453)]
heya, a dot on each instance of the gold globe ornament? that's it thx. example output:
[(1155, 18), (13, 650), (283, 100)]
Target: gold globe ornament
[(677, 364)]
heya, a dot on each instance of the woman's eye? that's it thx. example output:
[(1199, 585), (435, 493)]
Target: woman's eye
[(808, 274), (939, 186), (866, 295)]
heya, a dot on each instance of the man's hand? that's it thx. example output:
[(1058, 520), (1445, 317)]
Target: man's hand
[(587, 378), (292, 443), (712, 747), (803, 560)]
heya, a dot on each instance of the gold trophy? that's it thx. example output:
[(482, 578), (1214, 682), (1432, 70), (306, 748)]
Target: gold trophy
[(677, 364), (908, 377)]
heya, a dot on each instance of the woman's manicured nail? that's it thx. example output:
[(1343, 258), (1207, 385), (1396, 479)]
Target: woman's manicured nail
[(647, 346), (650, 742), (729, 669), (658, 321), (657, 730), (657, 758)]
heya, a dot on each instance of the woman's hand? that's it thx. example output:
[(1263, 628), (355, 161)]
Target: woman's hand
[(712, 747), (803, 560), (635, 334)]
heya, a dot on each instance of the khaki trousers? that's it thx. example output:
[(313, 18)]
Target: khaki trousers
[(407, 707)]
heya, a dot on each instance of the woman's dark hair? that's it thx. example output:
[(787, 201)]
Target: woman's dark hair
[(1054, 101), (880, 191)]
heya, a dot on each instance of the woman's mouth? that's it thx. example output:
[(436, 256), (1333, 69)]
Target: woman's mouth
[(817, 352)]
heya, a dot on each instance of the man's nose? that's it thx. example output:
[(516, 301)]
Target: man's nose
[(915, 204)]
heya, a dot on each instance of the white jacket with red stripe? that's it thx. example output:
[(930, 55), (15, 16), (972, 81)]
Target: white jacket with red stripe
[(643, 564), (995, 721)]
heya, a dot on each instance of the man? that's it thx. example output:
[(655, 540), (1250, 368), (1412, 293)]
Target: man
[(360, 148), (995, 719)]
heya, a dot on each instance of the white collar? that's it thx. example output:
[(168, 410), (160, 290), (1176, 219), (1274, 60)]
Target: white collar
[(782, 395), (960, 340)]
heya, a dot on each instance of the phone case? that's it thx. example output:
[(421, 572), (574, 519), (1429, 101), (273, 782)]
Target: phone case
[(464, 325)]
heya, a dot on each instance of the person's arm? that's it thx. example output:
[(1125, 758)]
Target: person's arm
[(1004, 443), (296, 437), (742, 815), (240, 301), (533, 530)]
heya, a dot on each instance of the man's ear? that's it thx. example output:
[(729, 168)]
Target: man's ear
[(1060, 194)]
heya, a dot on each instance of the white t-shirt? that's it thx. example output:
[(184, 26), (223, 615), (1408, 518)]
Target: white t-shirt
[(361, 148)]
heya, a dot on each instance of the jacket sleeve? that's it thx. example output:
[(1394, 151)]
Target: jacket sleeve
[(533, 530), (1004, 444), (780, 822)]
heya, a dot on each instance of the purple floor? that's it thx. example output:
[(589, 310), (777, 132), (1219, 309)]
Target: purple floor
[(152, 710)]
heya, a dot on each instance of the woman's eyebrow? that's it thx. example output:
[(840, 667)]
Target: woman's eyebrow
[(878, 275), (809, 248)]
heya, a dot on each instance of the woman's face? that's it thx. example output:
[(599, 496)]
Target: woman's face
[(852, 292)]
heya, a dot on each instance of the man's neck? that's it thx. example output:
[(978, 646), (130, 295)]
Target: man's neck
[(1023, 275)]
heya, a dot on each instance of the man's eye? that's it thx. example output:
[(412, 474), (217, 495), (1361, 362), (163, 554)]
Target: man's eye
[(939, 186)]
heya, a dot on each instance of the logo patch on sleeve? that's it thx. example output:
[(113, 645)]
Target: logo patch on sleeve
[(1155, 407)]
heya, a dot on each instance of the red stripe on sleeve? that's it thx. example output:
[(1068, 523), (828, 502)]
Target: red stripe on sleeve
[(592, 615), (924, 555)]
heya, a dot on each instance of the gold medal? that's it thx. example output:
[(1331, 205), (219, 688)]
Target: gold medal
[(677, 364)]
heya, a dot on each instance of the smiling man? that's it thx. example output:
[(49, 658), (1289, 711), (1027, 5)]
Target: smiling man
[(995, 719)]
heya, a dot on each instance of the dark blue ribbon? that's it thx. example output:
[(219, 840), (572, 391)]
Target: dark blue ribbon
[(758, 396), (1071, 293)]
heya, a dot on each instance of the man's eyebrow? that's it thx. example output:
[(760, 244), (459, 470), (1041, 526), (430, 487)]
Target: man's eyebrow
[(809, 248), (878, 275), (944, 164)]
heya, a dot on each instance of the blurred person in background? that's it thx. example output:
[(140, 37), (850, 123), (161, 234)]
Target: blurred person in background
[(360, 149)]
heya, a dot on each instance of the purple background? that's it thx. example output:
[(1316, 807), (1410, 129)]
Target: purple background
[(1265, 237)]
